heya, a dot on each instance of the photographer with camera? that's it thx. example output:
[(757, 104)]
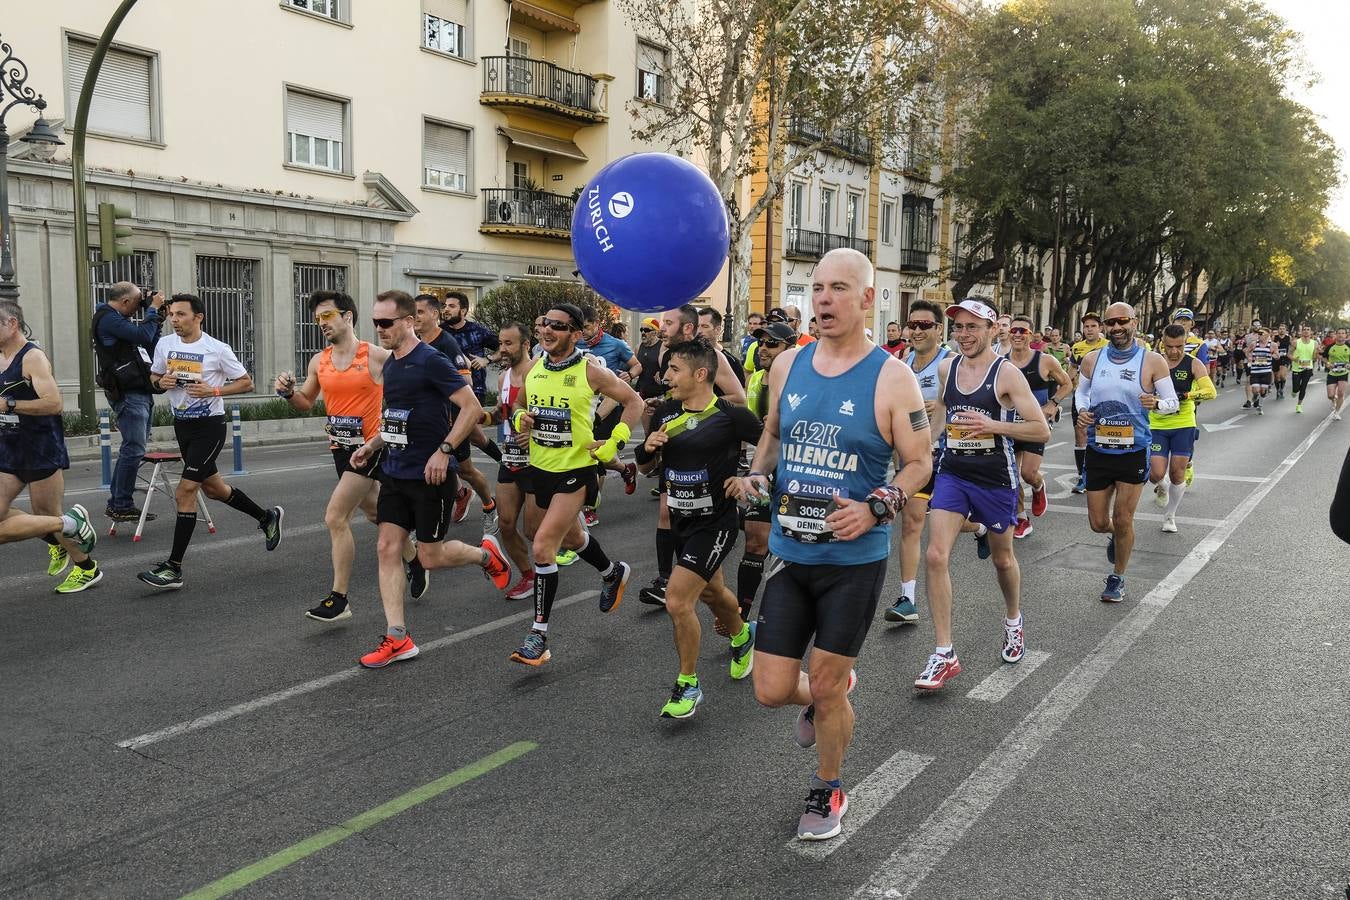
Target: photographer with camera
[(124, 349)]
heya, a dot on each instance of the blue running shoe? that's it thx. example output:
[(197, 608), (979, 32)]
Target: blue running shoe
[(982, 548), (1081, 486), (1111, 549), (903, 612), (1114, 592)]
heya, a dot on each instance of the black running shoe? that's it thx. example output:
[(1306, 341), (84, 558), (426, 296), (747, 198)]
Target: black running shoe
[(164, 576), (418, 578), (654, 594), (611, 592), (271, 527), (331, 609)]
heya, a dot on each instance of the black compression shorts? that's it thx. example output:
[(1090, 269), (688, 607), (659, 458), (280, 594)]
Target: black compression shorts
[(200, 442), (417, 507), (835, 603)]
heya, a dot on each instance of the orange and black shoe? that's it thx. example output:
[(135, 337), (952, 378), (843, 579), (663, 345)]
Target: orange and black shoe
[(534, 650), (611, 589), (495, 567)]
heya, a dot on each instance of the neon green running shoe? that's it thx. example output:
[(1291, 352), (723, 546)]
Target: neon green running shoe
[(59, 559), (684, 699), (567, 557), (78, 579), (743, 654), (1190, 474)]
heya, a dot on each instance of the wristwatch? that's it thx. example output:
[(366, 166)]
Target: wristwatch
[(879, 508), (447, 449), (10, 403)]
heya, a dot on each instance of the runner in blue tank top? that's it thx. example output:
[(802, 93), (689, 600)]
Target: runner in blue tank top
[(977, 476), (838, 410), (33, 455), (1117, 387)]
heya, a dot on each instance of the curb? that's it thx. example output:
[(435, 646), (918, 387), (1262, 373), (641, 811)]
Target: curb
[(263, 433)]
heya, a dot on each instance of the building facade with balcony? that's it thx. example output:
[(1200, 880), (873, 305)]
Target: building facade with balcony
[(294, 145)]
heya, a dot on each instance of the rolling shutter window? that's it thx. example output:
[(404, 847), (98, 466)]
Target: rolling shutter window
[(315, 117), (123, 95), (445, 151)]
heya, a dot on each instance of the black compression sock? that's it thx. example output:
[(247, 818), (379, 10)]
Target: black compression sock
[(665, 551), (1080, 457), (748, 577), (183, 527), (545, 589), (51, 539), (593, 555), (240, 501), (492, 450)]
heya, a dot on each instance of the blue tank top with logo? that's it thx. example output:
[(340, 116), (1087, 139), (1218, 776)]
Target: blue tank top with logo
[(972, 455), (1121, 422), (28, 443), (830, 445)]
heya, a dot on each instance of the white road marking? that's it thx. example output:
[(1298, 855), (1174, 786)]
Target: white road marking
[(1138, 516), (1066, 483), (1056, 444), (907, 868), (1247, 479), (309, 687), (869, 797), (1000, 682), (203, 543)]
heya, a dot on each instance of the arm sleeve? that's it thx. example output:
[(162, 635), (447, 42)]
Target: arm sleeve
[(1167, 396), (1202, 353), (1204, 389), (1083, 393)]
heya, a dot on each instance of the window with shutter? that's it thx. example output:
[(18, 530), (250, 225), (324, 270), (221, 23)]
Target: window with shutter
[(442, 35), (315, 130), (445, 156), (651, 74), (124, 100)]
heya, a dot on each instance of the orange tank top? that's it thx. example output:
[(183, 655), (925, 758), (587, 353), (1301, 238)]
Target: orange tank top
[(351, 397)]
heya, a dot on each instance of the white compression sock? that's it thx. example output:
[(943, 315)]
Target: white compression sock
[(1174, 494)]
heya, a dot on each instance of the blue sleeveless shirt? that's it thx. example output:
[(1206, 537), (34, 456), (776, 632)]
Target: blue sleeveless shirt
[(928, 375), (986, 460), (28, 443), (1121, 424), (829, 445)]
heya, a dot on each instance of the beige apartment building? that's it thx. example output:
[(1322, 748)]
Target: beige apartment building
[(268, 149)]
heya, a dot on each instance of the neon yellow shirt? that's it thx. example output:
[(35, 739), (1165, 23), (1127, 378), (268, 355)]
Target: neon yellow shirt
[(560, 403)]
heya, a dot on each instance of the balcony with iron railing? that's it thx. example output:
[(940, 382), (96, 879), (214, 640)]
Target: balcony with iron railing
[(525, 213), (522, 82), (849, 142), (915, 259), (812, 245)]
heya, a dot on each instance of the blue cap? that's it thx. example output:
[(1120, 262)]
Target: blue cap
[(1183, 313)]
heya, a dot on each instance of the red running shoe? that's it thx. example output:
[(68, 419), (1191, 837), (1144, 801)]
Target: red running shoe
[(939, 671), (390, 650), (1039, 501), (1023, 528), (629, 478), (496, 568), (461, 504)]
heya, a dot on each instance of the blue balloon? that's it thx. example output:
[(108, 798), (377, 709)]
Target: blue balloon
[(650, 232)]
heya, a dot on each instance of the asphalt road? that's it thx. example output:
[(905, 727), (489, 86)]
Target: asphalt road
[(1187, 743)]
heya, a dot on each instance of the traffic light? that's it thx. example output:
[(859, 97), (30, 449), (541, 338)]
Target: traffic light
[(110, 234)]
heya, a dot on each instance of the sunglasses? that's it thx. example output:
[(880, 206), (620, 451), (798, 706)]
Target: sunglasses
[(1019, 331), (921, 326), (555, 324), (327, 315), (764, 342), (387, 323), (1118, 321), (793, 319), (646, 330)]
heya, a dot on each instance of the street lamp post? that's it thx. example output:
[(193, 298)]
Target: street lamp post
[(14, 91)]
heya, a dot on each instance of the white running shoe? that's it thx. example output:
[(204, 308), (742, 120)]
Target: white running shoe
[(1169, 524)]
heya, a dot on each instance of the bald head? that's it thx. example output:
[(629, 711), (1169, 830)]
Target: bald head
[(1119, 310), (855, 266)]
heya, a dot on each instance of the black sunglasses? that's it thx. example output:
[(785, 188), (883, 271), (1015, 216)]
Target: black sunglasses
[(921, 326), (387, 323), (556, 324), (765, 342), (1118, 321)]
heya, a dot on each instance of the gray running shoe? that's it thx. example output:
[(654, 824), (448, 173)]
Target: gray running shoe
[(824, 816)]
